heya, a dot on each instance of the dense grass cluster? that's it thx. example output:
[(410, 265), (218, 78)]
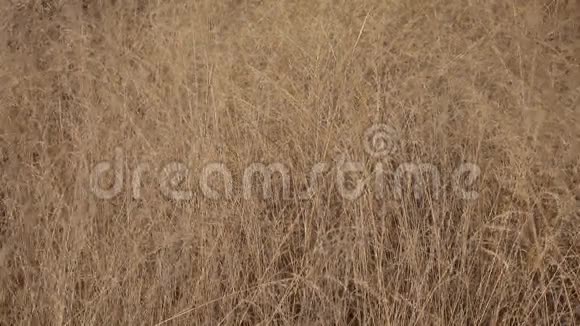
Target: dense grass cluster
[(494, 83)]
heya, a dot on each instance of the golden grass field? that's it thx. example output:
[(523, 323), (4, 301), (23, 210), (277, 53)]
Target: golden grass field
[(495, 83)]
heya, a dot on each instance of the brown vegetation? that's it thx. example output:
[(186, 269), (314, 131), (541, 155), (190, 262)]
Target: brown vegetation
[(496, 83)]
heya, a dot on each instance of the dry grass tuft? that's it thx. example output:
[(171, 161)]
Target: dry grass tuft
[(495, 83)]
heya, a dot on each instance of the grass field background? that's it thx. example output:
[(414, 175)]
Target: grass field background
[(495, 83)]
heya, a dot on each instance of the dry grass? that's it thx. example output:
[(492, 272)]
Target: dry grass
[(496, 83)]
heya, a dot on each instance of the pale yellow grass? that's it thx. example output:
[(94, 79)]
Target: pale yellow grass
[(496, 83)]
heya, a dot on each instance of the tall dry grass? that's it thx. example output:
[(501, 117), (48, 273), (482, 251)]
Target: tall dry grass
[(496, 83)]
